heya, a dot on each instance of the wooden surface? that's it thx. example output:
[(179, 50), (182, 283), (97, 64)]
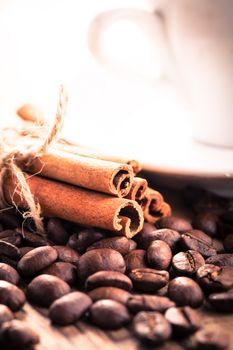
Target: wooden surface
[(84, 336)]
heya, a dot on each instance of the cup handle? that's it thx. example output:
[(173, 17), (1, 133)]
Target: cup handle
[(152, 24)]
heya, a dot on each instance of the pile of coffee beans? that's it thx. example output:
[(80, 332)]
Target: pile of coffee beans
[(153, 284)]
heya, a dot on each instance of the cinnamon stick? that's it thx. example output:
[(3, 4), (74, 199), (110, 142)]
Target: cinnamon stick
[(95, 174), (138, 189), (31, 113), (151, 205), (79, 205)]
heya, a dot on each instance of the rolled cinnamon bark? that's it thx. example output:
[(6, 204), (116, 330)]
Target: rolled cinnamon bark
[(95, 174), (138, 189), (81, 206), (151, 205), (31, 113)]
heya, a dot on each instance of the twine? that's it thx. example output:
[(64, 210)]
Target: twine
[(11, 157)]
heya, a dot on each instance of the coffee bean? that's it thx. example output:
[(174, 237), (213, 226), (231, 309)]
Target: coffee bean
[(109, 314), (44, 289), (221, 260), (36, 260), (120, 244), (9, 274), (9, 250), (83, 239), (66, 271), (206, 222), (112, 293), (13, 263), (106, 279), (5, 314), (11, 236), (148, 280), (199, 241), (132, 245), (162, 292), (57, 232), (211, 203), (222, 302), (187, 263), (151, 326), (174, 223), (228, 243), (159, 255), (145, 236), (11, 296), (184, 320), (211, 338), (66, 254), (9, 219), (25, 250), (17, 335), (32, 239), (69, 308), (144, 302), (99, 259), (214, 278), (184, 291), (218, 245), (135, 259)]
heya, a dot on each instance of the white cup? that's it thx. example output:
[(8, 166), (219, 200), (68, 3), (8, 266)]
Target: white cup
[(193, 40)]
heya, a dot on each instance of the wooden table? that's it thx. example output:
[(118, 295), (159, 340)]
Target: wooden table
[(84, 336)]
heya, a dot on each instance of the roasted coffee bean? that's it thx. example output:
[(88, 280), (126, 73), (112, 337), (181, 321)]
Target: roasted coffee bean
[(222, 302), (13, 263), (5, 314), (9, 250), (83, 239), (215, 278), (148, 280), (187, 263), (168, 236), (11, 236), (145, 236), (228, 243), (211, 338), (44, 289), (17, 335), (11, 296), (162, 292), (66, 271), (36, 260), (211, 203), (67, 254), (184, 291), (184, 320), (10, 219), (57, 232), (109, 314), (9, 274), (152, 327), (159, 255), (32, 239), (144, 302), (112, 293), (99, 259), (174, 223), (69, 308), (218, 245), (118, 243), (132, 245), (199, 241), (221, 260), (135, 259), (206, 222), (106, 279), (25, 250)]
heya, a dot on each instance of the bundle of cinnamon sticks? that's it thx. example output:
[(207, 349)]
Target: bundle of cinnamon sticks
[(88, 188)]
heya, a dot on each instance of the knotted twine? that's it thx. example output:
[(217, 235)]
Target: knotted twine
[(10, 158)]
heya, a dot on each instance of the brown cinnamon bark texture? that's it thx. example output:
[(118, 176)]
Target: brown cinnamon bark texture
[(79, 205), (152, 204), (95, 174), (138, 189)]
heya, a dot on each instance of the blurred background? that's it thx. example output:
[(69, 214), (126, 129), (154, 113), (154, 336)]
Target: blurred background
[(134, 111)]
